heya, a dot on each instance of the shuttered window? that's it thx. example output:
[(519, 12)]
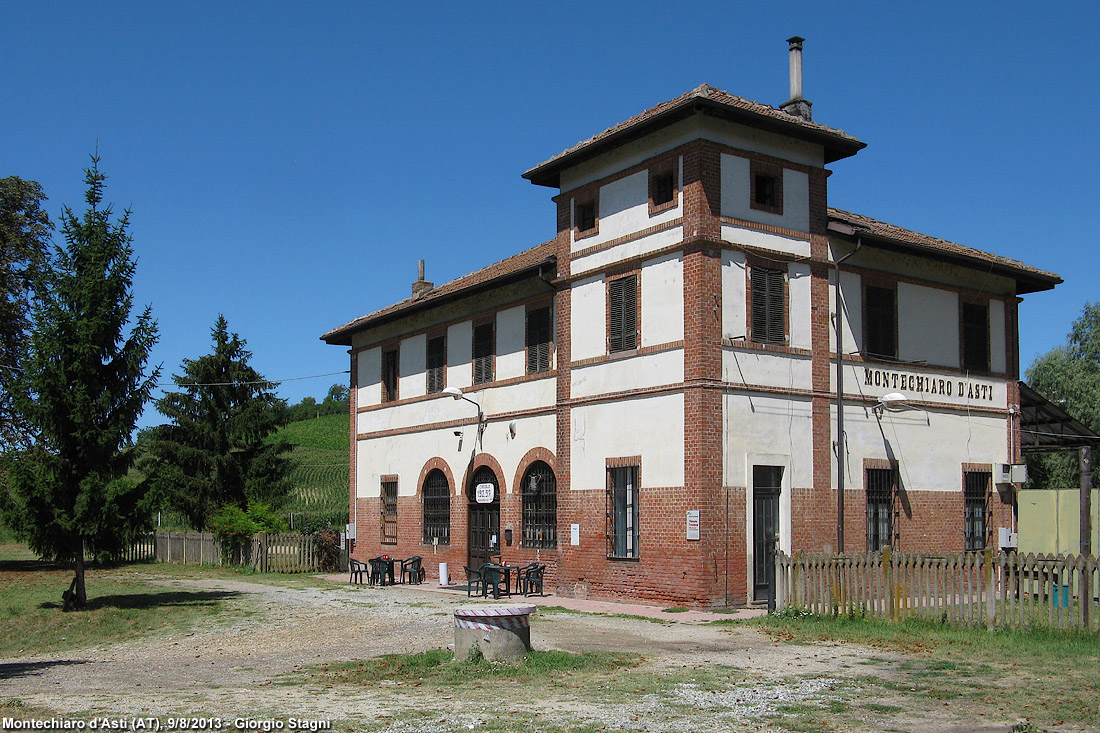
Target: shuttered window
[(483, 353), (389, 376), (975, 337), (622, 302), (538, 340), (769, 318), (976, 492), (880, 326), (437, 364), (437, 509)]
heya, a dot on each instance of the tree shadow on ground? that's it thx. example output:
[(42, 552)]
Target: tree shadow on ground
[(155, 600), (31, 566), (12, 670)]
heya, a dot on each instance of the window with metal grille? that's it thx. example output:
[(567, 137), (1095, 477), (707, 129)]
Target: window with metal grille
[(540, 507), (389, 512), (622, 512), (880, 325), (881, 486), (389, 376), (483, 353), (586, 216), (976, 498), (437, 364), (975, 337), (769, 317), (622, 318), (539, 338), (664, 188), (766, 187), (437, 508)]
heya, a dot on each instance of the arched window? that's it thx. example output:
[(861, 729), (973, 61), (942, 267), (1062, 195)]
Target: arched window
[(437, 508), (540, 507)]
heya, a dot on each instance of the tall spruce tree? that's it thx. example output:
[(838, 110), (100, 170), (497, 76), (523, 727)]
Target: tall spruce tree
[(82, 388), (217, 451), (24, 243)]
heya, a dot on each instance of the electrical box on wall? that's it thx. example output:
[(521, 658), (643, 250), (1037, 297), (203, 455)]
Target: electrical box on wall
[(1007, 538), (351, 531), (1010, 473)]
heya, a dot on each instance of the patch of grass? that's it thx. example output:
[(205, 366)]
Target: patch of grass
[(879, 708), (674, 609)]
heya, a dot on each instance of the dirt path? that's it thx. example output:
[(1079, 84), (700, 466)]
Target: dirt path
[(234, 669)]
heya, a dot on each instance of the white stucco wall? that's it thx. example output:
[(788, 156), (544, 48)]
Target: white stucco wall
[(634, 248), (852, 295), (798, 289), (733, 295), (511, 331), (652, 427), (736, 196), (750, 366), (411, 365), (768, 425), (460, 337), (662, 302), (797, 246), (624, 209), (928, 325), (588, 319), (369, 378), (619, 375)]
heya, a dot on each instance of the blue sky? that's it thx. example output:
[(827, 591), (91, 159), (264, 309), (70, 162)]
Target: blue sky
[(287, 165)]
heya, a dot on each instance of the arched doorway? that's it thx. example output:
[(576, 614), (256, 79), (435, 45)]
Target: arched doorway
[(484, 495)]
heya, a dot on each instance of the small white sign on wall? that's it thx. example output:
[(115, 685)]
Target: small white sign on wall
[(693, 524), (484, 493), (574, 534)]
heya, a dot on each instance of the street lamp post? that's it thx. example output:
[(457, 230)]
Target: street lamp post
[(456, 393)]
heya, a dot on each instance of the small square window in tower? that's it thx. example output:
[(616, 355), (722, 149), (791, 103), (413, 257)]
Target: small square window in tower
[(586, 217), (975, 337), (769, 316), (483, 353), (664, 188), (622, 314)]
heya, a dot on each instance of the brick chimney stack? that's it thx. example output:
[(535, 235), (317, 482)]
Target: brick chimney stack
[(796, 106), (421, 285)]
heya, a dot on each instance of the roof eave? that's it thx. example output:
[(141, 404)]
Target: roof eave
[(836, 146), (342, 335)]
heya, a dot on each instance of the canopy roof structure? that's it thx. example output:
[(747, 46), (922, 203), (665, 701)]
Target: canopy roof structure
[(1046, 427)]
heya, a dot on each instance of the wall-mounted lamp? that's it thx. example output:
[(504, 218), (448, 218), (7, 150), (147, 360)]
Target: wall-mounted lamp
[(893, 402), (456, 393)]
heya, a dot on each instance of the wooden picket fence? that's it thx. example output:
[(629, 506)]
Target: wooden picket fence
[(274, 553), (971, 588)]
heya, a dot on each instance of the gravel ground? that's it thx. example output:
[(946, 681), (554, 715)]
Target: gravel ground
[(238, 668)]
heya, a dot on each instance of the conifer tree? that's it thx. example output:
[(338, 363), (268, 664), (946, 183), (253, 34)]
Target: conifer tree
[(82, 389), (217, 451)]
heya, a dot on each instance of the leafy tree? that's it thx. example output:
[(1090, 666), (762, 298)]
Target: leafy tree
[(82, 388), (218, 449), (1069, 376), (24, 243), (335, 403)]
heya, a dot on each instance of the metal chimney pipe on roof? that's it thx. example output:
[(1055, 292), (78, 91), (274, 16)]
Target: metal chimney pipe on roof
[(421, 285), (796, 105)]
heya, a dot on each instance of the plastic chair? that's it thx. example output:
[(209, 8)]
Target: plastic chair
[(473, 580), (357, 568), (532, 578), (410, 569), (378, 570), (494, 579)]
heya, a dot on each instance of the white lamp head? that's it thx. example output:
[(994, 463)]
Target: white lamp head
[(894, 401), (453, 392)]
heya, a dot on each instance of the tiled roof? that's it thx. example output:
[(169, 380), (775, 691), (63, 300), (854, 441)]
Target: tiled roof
[(748, 110), (883, 230), (526, 260)]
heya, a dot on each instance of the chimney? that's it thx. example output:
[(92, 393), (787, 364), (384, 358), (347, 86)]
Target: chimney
[(796, 106), (421, 285)]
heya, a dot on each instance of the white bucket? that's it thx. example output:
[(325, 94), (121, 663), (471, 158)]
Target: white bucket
[(443, 579)]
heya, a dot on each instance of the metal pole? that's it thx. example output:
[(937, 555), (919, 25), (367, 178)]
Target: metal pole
[(839, 324), (1086, 500)]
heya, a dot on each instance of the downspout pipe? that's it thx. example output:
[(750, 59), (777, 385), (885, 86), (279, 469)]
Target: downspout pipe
[(840, 441)]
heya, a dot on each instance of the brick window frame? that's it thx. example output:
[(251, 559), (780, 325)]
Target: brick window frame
[(580, 204), (656, 174), (391, 373), (483, 372), (622, 515), (538, 354), (388, 509), (968, 352), (435, 377), (436, 505), (618, 329), (881, 284), (759, 172), (760, 267)]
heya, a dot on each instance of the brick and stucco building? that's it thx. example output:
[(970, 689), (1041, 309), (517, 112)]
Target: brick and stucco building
[(659, 380)]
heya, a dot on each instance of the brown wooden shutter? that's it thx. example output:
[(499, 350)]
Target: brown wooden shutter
[(483, 353), (769, 320), (538, 340), (623, 314)]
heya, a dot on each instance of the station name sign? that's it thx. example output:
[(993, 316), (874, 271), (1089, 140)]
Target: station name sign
[(966, 389)]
